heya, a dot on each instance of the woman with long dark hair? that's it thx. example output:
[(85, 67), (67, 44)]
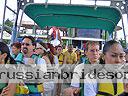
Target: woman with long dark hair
[(6, 88)]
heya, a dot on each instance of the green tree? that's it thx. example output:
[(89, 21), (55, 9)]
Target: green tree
[(123, 43), (8, 26)]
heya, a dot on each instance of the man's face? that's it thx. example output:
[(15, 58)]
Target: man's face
[(26, 46), (70, 48), (93, 53), (115, 55)]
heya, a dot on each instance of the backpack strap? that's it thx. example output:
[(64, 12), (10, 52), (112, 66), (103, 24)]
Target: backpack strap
[(35, 57), (82, 88), (104, 93), (19, 58)]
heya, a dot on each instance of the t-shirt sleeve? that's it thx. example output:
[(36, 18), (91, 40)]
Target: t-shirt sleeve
[(75, 82)]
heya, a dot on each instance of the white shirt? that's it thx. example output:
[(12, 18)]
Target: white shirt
[(90, 85)]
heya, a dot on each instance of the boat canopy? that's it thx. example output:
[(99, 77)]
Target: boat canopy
[(74, 16)]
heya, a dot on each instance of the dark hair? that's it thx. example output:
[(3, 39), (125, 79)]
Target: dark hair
[(31, 38), (108, 45), (70, 45), (16, 44), (4, 49), (126, 51), (58, 47)]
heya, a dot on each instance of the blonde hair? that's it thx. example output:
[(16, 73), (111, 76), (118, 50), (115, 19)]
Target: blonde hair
[(91, 43)]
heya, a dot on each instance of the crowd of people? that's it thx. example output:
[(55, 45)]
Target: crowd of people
[(28, 52)]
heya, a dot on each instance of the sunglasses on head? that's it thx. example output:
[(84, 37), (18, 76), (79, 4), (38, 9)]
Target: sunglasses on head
[(27, 44)]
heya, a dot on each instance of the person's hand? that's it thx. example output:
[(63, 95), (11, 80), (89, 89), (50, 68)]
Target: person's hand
[(126, 87), (71, 91), (5, 91), (9, 90), (31, 61), (76, 91)]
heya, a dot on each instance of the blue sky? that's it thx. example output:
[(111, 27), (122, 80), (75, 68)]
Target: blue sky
[(12, 4)]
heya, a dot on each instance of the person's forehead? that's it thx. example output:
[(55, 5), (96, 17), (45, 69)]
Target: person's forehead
[(14, 47), (27, 40), (90, 46), (118, 53), (70, 46), (116, 48), (59, 48)]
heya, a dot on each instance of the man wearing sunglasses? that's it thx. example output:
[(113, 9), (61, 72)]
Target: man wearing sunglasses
[(27, 48)]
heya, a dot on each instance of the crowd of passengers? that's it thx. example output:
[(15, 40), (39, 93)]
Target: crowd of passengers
[(28, 51)]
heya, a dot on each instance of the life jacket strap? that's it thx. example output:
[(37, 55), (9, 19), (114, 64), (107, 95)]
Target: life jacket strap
[(104, 93)]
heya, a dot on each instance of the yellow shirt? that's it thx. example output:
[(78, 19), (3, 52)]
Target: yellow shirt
[(61, 58), (71, 58), (64, 50)]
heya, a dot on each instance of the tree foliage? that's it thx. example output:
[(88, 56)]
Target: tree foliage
[(8, 26), (123, 43)]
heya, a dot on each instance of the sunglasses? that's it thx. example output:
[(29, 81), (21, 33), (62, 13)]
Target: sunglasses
[(27, 44)]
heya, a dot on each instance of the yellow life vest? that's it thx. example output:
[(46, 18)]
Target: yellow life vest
[(61, 58), (21, 89), (25, 90), (107, 89)]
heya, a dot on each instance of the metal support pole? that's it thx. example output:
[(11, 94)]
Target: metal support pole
[(20, 21), (70, 2), (34, 31), (11, 9), (124, 32), (95, 2), (14, 32), (46, 3), (2, 29), (126, 7)]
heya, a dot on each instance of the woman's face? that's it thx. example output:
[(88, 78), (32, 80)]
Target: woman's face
[(115, 55), (15, 50), (59, 50), (39, 51)]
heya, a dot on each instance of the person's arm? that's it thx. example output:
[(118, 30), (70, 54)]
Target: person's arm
[(10, 90), (75, 83), (46, 59), (65, 59), (75, 58), (71, 91)]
